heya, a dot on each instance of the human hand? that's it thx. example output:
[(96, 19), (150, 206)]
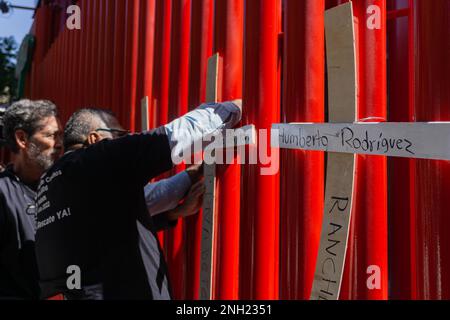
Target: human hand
[(238, 103), (194, 199), (235, 116), (191, 204), (195, 173)]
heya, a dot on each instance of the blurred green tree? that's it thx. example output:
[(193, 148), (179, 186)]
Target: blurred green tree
[(8, 82)]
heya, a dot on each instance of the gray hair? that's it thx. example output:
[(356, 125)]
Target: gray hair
[(84, 121), (26, 115)]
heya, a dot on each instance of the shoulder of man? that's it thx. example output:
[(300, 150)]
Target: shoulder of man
[(6, 178), (6, 185)]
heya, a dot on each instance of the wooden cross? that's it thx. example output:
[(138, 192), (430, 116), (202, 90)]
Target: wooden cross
[(244, 136), (239, 137), (342, 138)]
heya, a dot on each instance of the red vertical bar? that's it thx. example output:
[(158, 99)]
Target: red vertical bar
[(302, 173), (118, 62), (64, 66), (70, 61), (159, 102), (148, 50), (228, 41), (59, 71), (67, 56), (87, 74), (52, 62), (178, 105), (368, 246), (162, 59), (54, 66), (432, 101), (179, 58), (401, 214), (200, 51), (82, 40), (145, 58), (94, 51), (260, 261), (55, 57), (413, 162), (128, 110), (108, 54), (101, 54), (68, 77), (76, 63), (140, 72), (58, 83), (42, 39)]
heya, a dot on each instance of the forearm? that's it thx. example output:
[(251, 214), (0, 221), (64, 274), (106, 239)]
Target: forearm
[(166, 194), (208, 119)]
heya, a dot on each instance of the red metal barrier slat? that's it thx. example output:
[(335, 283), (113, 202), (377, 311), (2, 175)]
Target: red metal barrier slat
[(93, 58), (82, 40), (108, 54), (87, 74), (401, 212), (368, 233), (302, 173), (178, 106), (228, 41), (200, 51), (432, 102), (162, 59), (101, 53), (148, 48), (118, 61), (128, 109), (163, 13), (260, 215)]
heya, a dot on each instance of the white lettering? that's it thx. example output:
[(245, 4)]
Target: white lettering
[(374, 280), (74, 280), (74, 20), (374, 20)]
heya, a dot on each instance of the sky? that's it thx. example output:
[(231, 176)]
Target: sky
[(18, 22)]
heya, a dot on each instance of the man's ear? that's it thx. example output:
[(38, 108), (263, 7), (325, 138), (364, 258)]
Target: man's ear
[(21, 138), (93, 137)]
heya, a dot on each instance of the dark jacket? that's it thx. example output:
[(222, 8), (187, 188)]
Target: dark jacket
[(18, 271)]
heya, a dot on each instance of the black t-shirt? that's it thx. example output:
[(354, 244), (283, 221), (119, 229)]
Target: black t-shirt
[(18, 271), (91, 213)]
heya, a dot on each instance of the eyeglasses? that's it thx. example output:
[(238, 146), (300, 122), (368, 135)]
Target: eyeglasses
[(116, 133)]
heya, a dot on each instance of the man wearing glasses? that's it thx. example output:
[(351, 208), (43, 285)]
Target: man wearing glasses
[(33, 134), (92, 212), (88, 126)]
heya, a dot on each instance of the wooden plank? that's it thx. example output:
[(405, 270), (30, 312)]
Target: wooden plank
[(154, 108), (213, 78), (239, 137), (429, 140), (209, 229), (341, 62), (144, 114), (232, 138)]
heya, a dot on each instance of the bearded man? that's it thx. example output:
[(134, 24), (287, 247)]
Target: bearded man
[(33, 134)]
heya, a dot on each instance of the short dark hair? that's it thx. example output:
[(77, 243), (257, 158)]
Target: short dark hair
[(82, 122), (26, 115)]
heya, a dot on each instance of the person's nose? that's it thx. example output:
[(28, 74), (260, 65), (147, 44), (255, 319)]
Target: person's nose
[(58, 142)]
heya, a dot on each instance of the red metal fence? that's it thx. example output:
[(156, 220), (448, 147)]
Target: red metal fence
[(274, 58)]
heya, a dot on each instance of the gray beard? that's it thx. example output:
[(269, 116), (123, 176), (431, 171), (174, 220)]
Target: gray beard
[(35, 154)]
